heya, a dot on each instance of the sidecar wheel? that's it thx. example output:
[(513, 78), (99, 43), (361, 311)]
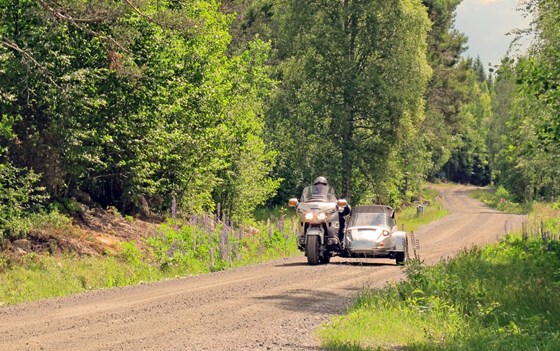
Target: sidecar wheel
[(402, 257)]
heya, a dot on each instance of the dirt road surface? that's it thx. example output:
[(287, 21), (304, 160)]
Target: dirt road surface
[(272, 306)]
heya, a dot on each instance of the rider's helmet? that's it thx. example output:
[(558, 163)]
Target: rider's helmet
[(320, 180)]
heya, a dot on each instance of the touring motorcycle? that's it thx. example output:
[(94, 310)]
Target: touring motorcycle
[(320, 215)]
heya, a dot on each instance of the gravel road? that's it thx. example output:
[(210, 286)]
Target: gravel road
[(272, 306)]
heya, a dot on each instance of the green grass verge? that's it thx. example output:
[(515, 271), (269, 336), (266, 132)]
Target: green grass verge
[(433, 210), (41, 276), (501, 200), (175, 249), (502, 297)]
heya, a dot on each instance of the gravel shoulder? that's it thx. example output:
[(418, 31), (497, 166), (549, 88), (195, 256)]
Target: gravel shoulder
[(272, 306)]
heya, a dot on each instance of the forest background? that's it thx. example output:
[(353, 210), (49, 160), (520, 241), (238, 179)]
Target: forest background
[(155, 107)]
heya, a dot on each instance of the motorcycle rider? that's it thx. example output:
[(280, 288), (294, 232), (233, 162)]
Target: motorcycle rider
[(318, 185), (320, 182)]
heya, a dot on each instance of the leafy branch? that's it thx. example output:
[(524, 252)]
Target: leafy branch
[(28, 58)]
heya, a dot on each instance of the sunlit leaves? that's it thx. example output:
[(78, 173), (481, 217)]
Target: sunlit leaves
[(351, 93), (529, 133), (137, 102)]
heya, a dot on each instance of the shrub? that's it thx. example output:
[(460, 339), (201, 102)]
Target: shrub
[(51, 220), (19, 196), (130, 253), (502, 193)]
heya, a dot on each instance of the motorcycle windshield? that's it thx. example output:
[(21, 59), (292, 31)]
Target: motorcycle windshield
[(368, 219), (318, 192)]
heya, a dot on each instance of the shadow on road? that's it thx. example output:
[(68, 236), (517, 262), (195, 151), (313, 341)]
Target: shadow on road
[(310, 301), (346, 262), (362, 264), (293, 264)]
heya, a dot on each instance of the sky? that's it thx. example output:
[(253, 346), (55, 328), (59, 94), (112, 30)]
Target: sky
[(486, 23)]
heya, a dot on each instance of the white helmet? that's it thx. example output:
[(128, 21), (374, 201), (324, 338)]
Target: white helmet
[(320, 180)]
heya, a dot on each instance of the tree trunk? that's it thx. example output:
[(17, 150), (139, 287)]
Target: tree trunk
[(351, 29)]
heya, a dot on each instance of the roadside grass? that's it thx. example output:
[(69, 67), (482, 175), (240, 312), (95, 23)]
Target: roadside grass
[(175, 249), (262, 213), (505, 296), (432, 210), (500, 199), (543, 217), (42, 276)]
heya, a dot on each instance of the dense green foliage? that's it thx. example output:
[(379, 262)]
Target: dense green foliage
[(19, 196), (152, 106), (462, 304), (355, 101), (524, 140), (132, 104)]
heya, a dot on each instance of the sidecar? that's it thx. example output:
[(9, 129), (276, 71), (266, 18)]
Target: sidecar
[(372, 232)]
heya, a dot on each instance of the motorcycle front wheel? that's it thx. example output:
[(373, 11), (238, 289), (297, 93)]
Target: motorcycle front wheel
[(313, 250)]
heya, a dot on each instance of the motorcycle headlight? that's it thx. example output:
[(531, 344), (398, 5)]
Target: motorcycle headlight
[(386, 233), (321, 216), (309, 216)]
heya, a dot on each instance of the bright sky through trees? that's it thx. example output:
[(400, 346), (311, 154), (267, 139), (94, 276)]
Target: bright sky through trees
[(487, 24)]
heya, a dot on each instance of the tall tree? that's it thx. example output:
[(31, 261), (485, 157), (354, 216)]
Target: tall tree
[(527, 151), (458, 102), (351, 93), (525, 163), (468, 162), (540, 74), (444, 95)]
